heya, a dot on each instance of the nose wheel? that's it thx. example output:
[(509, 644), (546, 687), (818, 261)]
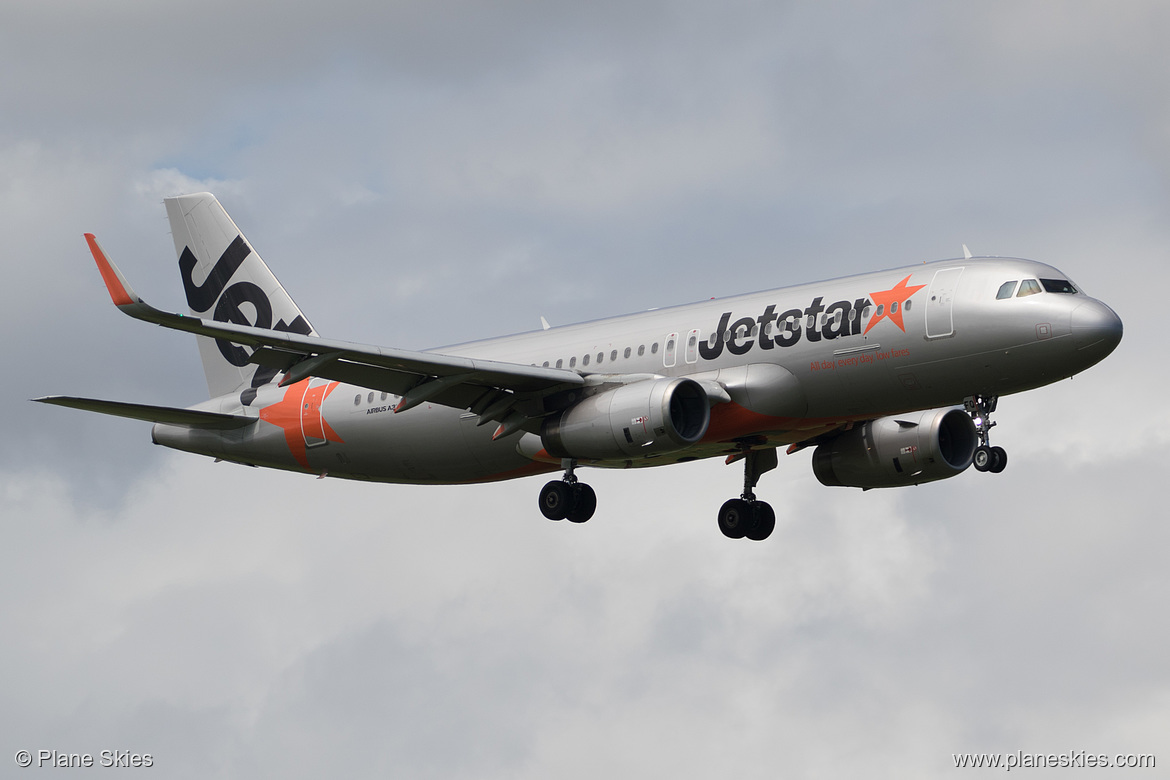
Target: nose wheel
[(987, 458), (566, 498)]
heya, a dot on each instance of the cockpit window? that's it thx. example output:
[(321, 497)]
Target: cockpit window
[(1058, 286), (1005, 290), (1028, 287)]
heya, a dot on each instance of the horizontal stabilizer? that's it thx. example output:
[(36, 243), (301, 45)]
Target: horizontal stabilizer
[(186, 418)]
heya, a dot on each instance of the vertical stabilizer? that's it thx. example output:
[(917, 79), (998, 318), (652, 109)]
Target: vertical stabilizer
[(226, 280)]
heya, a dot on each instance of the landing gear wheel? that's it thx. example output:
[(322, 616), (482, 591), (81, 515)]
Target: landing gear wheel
[(584, 503), (998, 460), (765, 521), (983, 459), (556, 500), (735, 516)]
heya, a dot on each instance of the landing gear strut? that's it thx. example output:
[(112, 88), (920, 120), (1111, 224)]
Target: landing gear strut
[(566, 498), (987, 458), (745, 516)]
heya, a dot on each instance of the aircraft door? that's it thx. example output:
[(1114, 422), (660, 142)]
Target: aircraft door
[(312, 423), (940, 300)]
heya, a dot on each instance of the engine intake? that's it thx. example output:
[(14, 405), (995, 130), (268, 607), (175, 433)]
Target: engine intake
[(638, 420), (905, 449)]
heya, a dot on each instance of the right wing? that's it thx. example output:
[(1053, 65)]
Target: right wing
[(511, 393)]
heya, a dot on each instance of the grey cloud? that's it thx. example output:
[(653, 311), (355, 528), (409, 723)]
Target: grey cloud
[(574, 161)]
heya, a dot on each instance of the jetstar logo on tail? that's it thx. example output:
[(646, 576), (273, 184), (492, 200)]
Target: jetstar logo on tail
[(813, 323), (228, 307)]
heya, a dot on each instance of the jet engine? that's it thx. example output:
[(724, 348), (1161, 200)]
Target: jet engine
[(638, 420), (905, 449)]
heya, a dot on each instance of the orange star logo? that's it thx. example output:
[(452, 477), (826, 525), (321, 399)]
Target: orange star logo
[(299, 414), (891, 302)]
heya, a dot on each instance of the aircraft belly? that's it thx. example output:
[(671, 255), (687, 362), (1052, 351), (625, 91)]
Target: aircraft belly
[(428, 443)]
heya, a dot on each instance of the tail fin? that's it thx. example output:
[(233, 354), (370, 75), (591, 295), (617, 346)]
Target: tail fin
[(227, 281)]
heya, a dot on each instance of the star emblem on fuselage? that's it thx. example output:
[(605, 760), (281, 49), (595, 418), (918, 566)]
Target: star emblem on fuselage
[(890, 304), (299, 414)]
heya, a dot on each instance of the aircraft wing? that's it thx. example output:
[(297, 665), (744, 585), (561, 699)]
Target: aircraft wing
[(186, 418), (493, 389)]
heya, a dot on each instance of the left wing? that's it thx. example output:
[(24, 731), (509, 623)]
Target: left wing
[(186, 418), (508, 392)]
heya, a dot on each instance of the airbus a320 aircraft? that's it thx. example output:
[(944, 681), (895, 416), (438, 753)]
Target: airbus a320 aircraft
[(892, 376)]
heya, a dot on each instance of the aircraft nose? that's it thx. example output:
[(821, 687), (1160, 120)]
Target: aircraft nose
[(1096, 328)]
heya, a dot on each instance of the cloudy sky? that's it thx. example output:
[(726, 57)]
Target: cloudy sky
[(423, 173)]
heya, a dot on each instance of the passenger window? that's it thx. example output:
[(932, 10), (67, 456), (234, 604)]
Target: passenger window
[(357, 399), (1058, 286), (572, 362), (371, 398), (654, 348), (585, 360), (613, 355), (1028, 287), (600, 356), (1006, 290), (385, 394), (641, 350), (626, 354), (545, 364)]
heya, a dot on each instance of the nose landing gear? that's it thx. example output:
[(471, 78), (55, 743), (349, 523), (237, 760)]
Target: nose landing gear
[(566, 498), (987, 458)]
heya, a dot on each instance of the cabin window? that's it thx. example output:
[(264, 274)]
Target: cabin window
[(1006, 290), (654, 348), (585, 360), (357, 399), (384, 396), (880, 310), (545, 364), (626, 354), (641, 350), (600, 356), (572, 362), (1028, 287), (1059, 286), (613, 355), (371, 398), (560, 362)]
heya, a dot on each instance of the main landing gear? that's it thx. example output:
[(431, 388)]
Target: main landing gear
[(566, 498), (745, 516), (987, 458)]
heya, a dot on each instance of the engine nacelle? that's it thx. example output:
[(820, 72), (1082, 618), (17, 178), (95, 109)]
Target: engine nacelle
[(650, 417), (906, 449)]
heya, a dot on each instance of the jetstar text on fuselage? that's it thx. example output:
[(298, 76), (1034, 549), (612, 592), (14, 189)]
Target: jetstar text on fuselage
[(842, 318)]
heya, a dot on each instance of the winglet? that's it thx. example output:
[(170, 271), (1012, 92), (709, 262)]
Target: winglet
[(966, 252), (120, 290)]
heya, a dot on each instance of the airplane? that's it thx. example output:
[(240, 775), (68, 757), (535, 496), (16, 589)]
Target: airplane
[(891, 376)]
